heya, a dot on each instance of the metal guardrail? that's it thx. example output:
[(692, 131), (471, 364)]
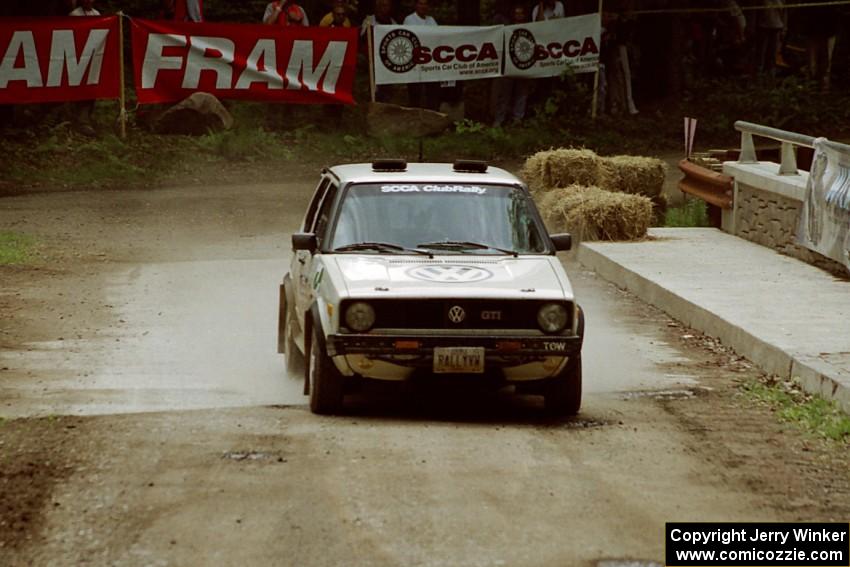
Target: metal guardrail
[(788, 164)]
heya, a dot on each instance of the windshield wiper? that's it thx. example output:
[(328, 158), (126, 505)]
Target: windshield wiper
[(465, 245), (380, 246)]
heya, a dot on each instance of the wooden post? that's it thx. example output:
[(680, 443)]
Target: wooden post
[(122, 112), (593, 111), (370, 39)]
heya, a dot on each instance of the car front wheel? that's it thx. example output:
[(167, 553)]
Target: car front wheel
[(563, 394), (327, 388)]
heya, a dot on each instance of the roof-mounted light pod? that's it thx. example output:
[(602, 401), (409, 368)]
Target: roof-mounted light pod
[(470, 166), (389, 165)]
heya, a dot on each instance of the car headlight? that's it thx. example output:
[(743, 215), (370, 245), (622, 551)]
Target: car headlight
[(552, 318), (360, 317)]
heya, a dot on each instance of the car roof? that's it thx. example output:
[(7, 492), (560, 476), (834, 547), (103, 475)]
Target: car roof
[(420, 173)]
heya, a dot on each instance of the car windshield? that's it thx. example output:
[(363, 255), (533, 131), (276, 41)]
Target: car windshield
[(442, 218)]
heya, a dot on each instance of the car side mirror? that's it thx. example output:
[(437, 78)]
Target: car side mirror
[(305, 241), (562, 242)]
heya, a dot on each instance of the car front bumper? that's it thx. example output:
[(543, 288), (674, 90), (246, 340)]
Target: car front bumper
[(502, 347)]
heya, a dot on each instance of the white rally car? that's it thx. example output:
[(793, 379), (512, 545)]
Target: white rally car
[(403, 270)]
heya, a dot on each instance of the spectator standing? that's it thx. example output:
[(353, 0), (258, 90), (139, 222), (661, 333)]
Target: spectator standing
[(285, 13), (383, 16), (183, 10), (510, 95), (820, 26), (548, 10), (422, 95), (86, 8), (617, 74), (337, 17), (84, 108), (771, 25)]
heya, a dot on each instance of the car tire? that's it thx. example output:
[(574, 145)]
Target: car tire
[(563, 393), (327, 386)]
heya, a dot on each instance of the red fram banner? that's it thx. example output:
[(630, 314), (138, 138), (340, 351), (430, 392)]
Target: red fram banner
[(59, 59), (172, 60)]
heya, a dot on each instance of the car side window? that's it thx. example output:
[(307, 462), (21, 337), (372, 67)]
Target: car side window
[(324, 215), (314, 204)]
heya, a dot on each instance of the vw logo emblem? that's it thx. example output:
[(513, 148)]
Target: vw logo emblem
[(457, 314), (449, 273)]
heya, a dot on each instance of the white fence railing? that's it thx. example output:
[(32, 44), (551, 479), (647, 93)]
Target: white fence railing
[(789, 141)]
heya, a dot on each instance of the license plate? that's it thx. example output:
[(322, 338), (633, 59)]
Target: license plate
[(458, 360)]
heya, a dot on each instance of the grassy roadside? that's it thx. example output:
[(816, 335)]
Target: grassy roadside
[(60, 158), (817, 416), (44, 152), (693, 213), (14, 248)]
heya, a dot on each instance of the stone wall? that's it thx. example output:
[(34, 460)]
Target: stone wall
[(766, 210)]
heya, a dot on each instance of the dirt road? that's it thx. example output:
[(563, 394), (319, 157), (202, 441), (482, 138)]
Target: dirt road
[(148, 420)]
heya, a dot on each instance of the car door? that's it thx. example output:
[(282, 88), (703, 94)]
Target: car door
[(301, 258), (321, 218)]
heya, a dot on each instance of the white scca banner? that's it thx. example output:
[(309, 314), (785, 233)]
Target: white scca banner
[(422, 54), (547, 49), (825, 218)]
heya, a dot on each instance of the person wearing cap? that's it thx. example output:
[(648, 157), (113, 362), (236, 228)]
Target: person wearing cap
[(285, 13), (337, 17)]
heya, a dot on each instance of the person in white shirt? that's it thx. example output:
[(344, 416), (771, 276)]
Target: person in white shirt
[(548, 10), (419, 16), (86, 8), (422, 95)]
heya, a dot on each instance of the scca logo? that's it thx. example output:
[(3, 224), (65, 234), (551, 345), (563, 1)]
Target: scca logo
[(401, 50), (525, 51), (447, 54)]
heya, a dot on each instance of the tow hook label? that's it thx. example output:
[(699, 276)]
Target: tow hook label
[(556, 346)]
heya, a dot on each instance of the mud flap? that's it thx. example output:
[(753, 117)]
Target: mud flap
[(281, 318)]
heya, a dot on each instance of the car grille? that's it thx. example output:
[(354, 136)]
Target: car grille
[(457, 314)]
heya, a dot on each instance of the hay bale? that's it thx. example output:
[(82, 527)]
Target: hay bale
[(633, 174), (561, 168), (591, 213)]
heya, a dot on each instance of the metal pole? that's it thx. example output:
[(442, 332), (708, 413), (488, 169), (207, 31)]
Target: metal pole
[(122, 113), (371, 41), (593, 111)]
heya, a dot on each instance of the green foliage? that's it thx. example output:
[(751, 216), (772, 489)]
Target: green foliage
[(14, 248), (467, 126), (692, 214), (245, 144), (791, 404)]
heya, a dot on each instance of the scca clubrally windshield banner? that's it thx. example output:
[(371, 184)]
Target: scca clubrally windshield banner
[(295, 64), (422, 54), (548, 49), (59, 59)]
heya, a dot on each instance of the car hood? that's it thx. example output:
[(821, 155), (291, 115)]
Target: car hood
[(525, 277)]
